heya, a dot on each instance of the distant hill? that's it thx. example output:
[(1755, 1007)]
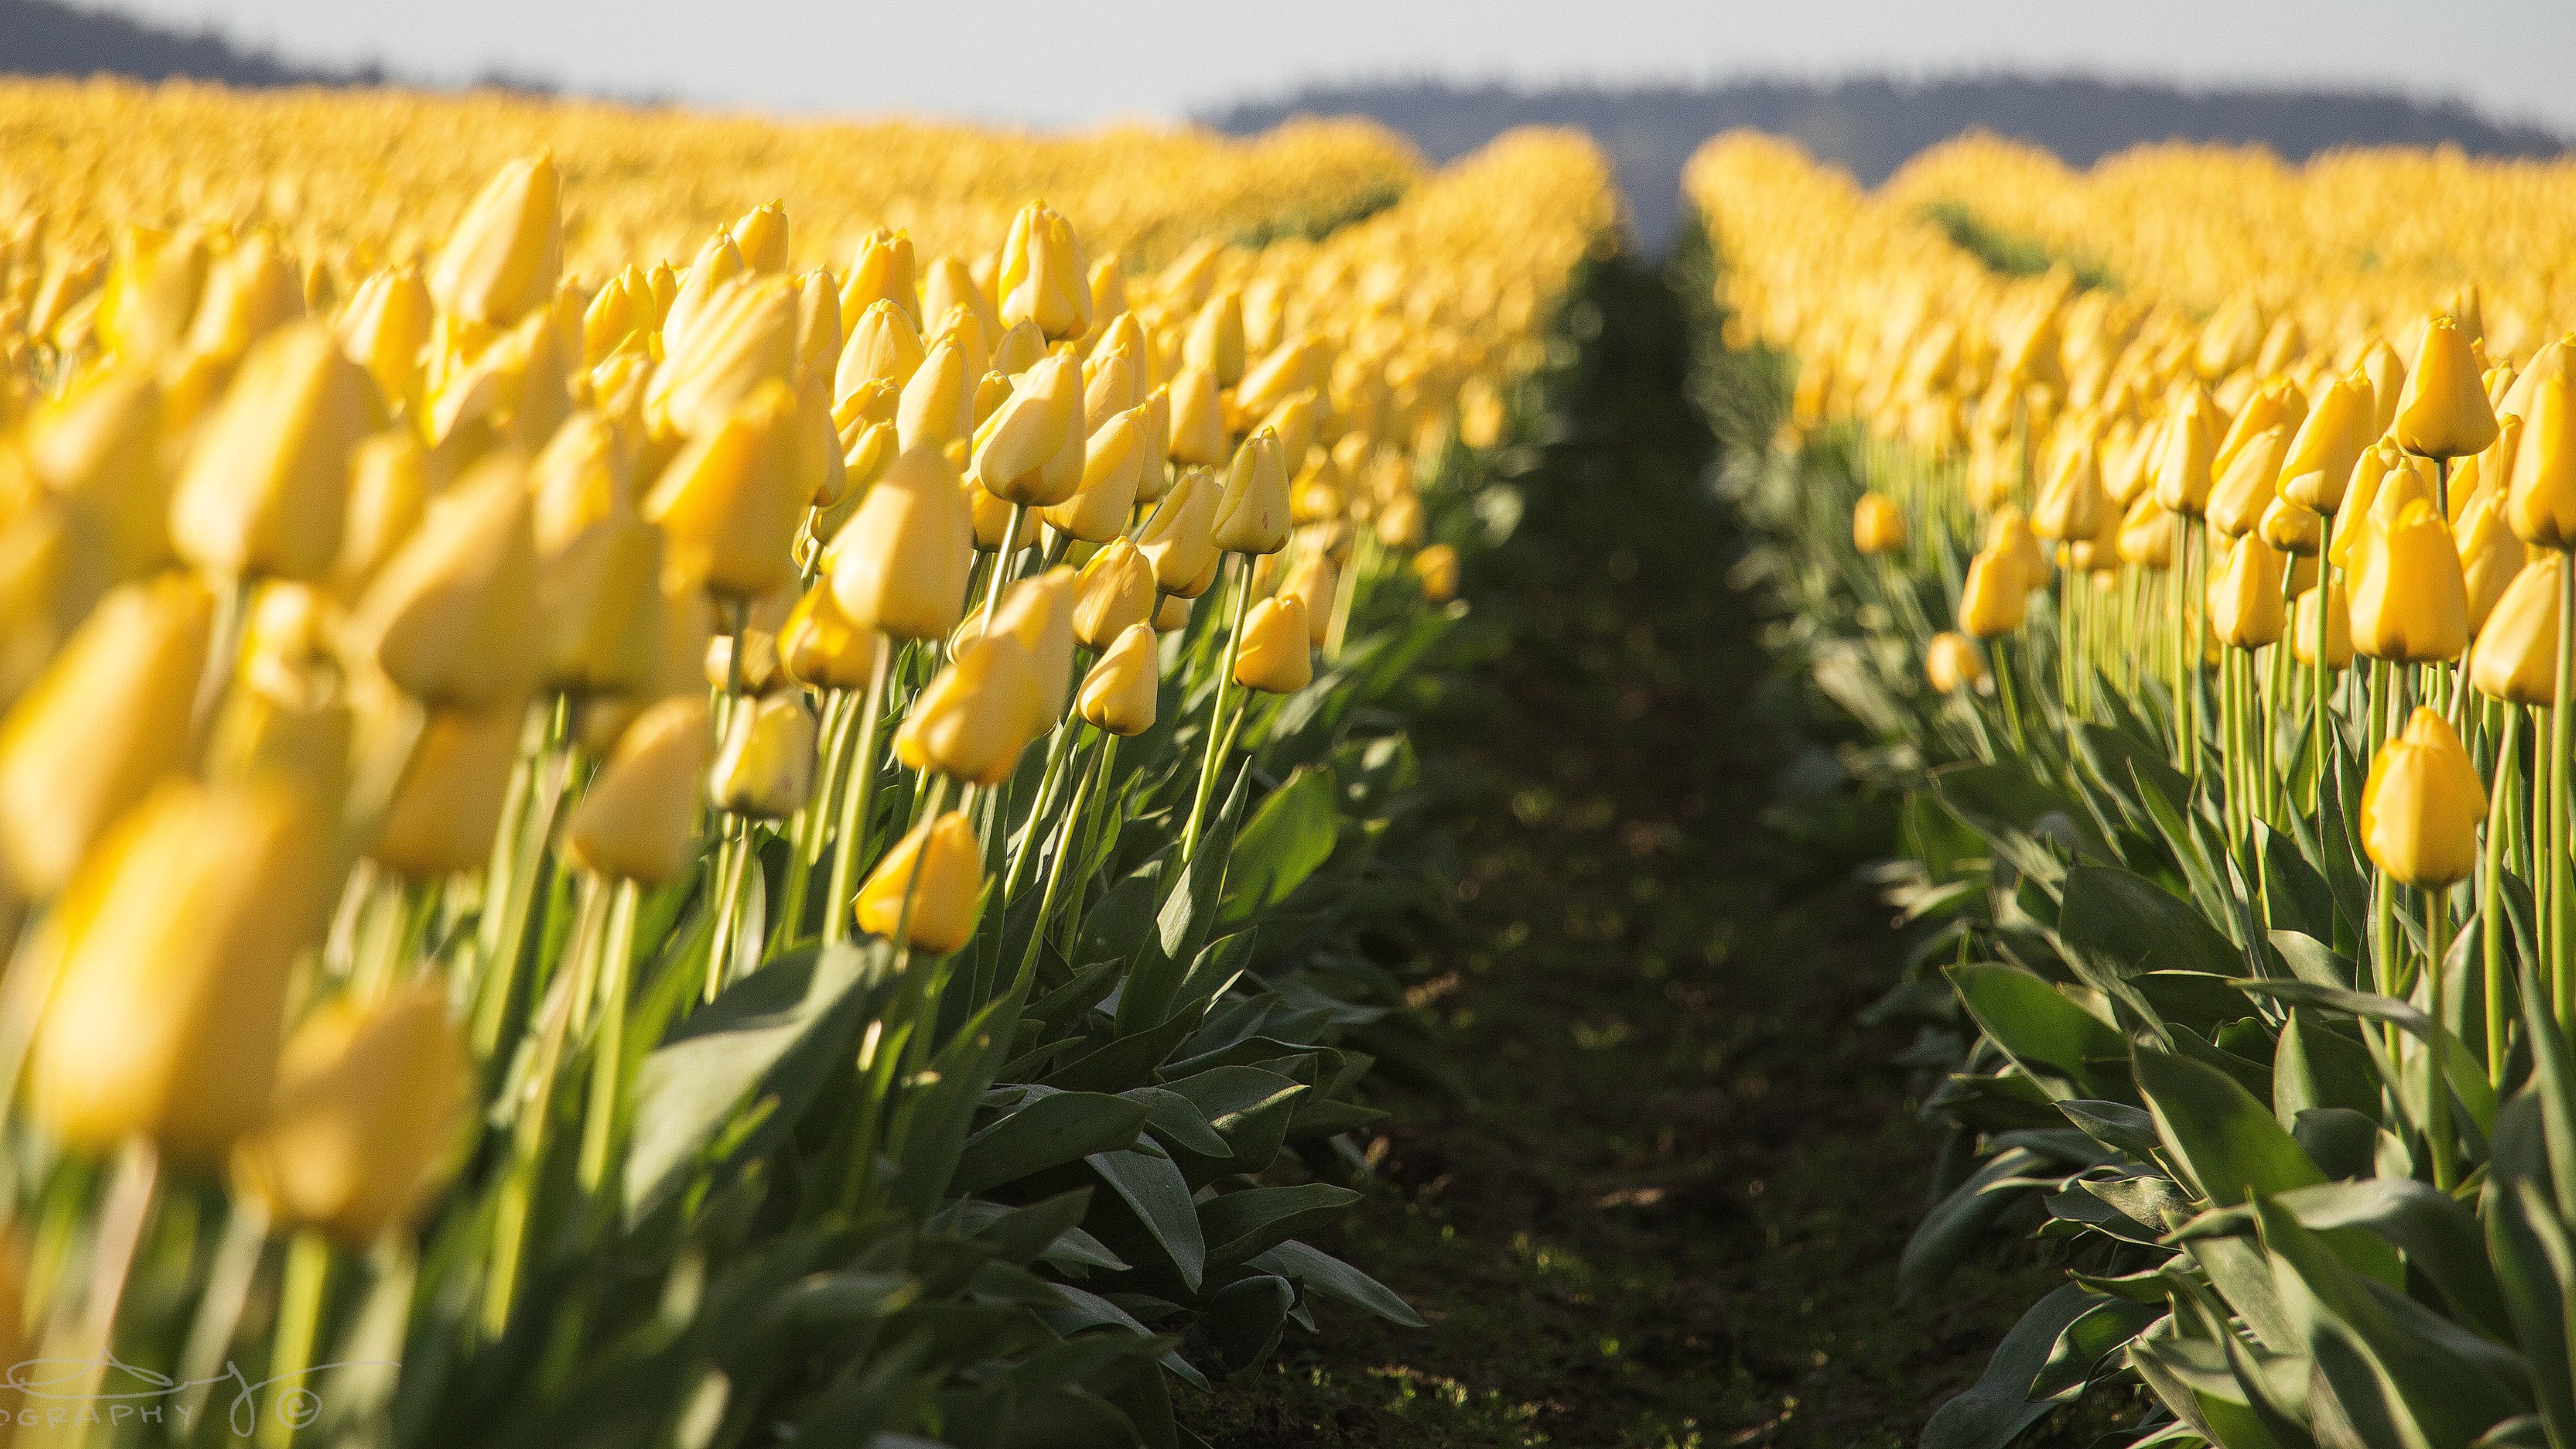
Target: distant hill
[(43, 37), (1873, 125)]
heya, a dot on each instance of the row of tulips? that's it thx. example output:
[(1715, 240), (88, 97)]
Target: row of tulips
[(2227, 687), (708, 854)]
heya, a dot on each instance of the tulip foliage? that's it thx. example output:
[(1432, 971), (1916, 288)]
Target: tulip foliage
[(2205, 596), (629, 824)]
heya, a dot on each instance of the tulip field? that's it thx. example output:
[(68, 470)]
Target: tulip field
[(681, 781), (2189, 540), (688, 781)]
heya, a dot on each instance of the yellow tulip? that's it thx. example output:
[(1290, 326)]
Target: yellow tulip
[(883, 347), (1951, 663), (1215, 343), (1038, 612), (2338, 621), (502, 260), (1044, 277), (1015, 449), (900, 565), (1312, 582), (171, 953), (884, 271), (448, 807), (453, 616), (975, 716), (2410, 599), (2245, 604), (2147, 534), (2444, 411), (1119, 693), (1436, 568), (2245, 488), (2292, 528), (761, 236), (2183, 480), (819, 648), (638, 820), (363, 1127), (1180, 540), (940, 868), (1113, 593), (106, 720), (2490, 557), (385, 326), (2422, 805), (731, 501), (1252, 516), (2541, 493), (1878, 524), (743, 341), (765, 769), (1995, 596), (2319, 465), (265, 485), (1276, 656), (1198, 421)]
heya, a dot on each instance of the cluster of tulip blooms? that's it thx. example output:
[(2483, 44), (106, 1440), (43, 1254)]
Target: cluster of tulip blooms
[(2191, 498), (376, 626)]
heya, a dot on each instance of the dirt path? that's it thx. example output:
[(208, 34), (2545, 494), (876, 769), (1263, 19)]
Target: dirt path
[(1668, 1207)]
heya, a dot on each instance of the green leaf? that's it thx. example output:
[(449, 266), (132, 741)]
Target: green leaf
[(2464, 1070), (1240, 1224), (2125, 924), (1326, 1276), (2086, 1345), (2115, 1125), (1951, 1228), (2227, 1142), (1152, 1187), (1048, 1132), (1244, 1319), (1994, 1411), (1286, 840), (714, 1062), (2047, 1035)]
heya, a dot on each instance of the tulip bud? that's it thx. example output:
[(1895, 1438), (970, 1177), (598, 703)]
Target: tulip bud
[(107, 718), (1275, 656), (1173, 613), (712, 273), (385, 327), (2245, 488), (2303, 631), (1109, 388), (1400, 521), (941, 868), (1253, 515), (820, 649), (743, 340), (951, 285), (369, 1103), (2072, 504), (2183, 480), (2319, 464), (883, 347), (1312, 582), (2490, 557), (973, 719), (1878, 524), (595, 606), (1179, 541), (1995, 597), (1111, 594), (1951, 664), (1215, 340), (1118, 695), (2245, 604), (900, 565), (766, 768), (151, 291), (2516, 655), (2422, 805), (2409, 597), (2355, 518), (731, 501), (506, 253), (639, 818), (1277, 380), (2147, 534), (1038, 612), (265, 485), (883, 271), (1044, 278), (936, 406), (2010, 537), (448, 806), (1013, 449), (453, 617), (1154, 479), (1113, 461), (1198, 422), (1436, 568), (1108, 288), (172, 950), (2541, 496), (761, 237), (1018, 349), (2444, 412)]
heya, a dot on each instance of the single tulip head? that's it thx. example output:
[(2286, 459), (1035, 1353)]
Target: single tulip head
[(2410, 599), (504, 257), (2422, 805), (1276, 655), (765, 769), (1878, 524), (2515, 658), (928, 888), (2337, 623), (2245, 604), (1119, 693), (1113, 593), (1995, 596), (2444, 412), (1951, 663), (975, 717), (638, 820)]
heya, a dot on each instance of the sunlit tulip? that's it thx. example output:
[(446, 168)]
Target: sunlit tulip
[(2183, 479), (731, 501), (2422, 805), (2410, 598), (2245, 605), (267, 481), (503, 258), (1994, 597), (171, 953), (369, 1102), (2490, 557), (2291, 528), (2319, 464), (765, 768), (1113, 593), (1180, 540), (1044, 277), (385, 327), (637, 821), (2444, 411), (2147, 534), (1118, 695), (1878, 524), (2516, 655), (1113, 462), (1436, 568), (1198, 422), (927, 887), (1038, 612), (2541, 491), (1276, 655), (2338, 622), (975, 717), (452, 618), (2245, 489), (1312, 582), (1951, 663), (818, 646), (900, 565), (885, 271), (1252, 516), (449, 803)]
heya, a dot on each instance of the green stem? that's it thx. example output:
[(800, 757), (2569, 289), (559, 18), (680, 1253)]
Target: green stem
[(1216, 713), (858, 788), (2491, 890), (2562, 902), (2437, 942), (608, 1059), (299, 1318)]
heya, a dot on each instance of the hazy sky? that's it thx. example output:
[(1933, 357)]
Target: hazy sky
[(1071, 61)]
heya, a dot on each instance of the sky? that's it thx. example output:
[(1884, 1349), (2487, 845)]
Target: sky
[(1071, 62)]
